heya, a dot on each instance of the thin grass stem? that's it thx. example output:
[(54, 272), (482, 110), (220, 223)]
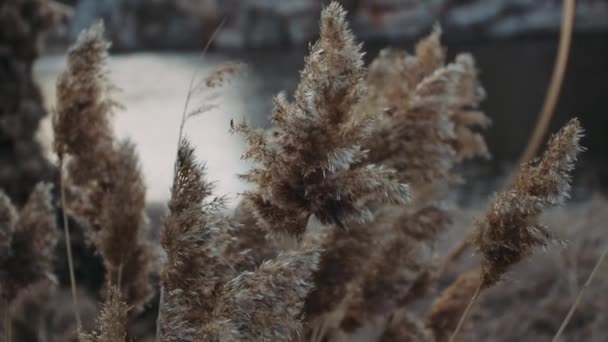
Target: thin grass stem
[(68, 247), (559, 70), (465, 314), (579, 297)]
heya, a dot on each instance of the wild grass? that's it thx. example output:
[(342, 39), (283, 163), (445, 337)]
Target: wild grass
[(335, 242)]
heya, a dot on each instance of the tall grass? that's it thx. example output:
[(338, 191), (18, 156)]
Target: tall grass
[(335, 240)]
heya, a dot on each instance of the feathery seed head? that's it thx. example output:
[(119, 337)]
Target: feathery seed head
[(81, 121), (308, 164), (510, 229), (31, 244), (112, 323), (266, 304)]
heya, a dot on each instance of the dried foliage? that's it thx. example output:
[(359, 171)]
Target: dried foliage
[(112, 323), (106, 172), (511, 230), (27, 242), (308, 164), (341, 152)]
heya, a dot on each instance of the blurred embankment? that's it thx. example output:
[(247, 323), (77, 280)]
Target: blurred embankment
[(186, 24)]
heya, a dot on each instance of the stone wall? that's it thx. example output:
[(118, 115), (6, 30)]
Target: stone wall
[(158, 24)]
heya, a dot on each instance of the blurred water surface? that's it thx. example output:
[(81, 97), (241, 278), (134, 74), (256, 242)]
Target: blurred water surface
[(153, 87)]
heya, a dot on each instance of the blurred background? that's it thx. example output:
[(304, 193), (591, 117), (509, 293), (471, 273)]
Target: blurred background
[(157, 44)]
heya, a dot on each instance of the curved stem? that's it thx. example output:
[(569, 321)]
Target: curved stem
[(579, 297), (463, 318), (68, 247), (557, 79)]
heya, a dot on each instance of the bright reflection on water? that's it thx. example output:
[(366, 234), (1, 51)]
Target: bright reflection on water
[(153, 91)]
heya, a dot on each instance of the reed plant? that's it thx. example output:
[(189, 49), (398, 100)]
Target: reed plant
[(335, 240)]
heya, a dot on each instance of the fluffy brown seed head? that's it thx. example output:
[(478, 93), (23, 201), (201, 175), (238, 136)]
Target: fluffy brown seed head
[(112, 322), (194, 269), (307, 165), (31, 244), (445, 312), (430, 120), (81, 122), (266, 305), (511, 230), (106, 172)]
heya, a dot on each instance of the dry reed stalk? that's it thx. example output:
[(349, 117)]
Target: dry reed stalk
[(447, 310), (557, 78), (68, 247), (510, 230), (579, 297)]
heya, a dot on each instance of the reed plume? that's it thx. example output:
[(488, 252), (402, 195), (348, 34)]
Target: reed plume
[(27, 245), (400, 268), (307, 165), (430, 120), (194, 270), (266, 304), (112, 322), (28, 242), (105, 172), (510, 230)]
